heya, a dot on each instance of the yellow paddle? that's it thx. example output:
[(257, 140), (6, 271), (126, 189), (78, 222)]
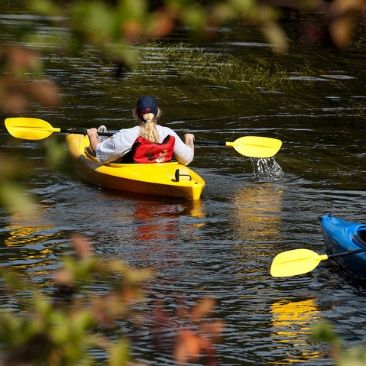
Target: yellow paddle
[(38, 129), (299, 261), (251, 146)]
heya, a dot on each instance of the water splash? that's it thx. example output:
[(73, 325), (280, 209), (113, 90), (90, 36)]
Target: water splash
[(266, 170)]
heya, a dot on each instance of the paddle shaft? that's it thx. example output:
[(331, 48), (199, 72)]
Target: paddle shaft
[(347, 253), (210, 143), (82, 131)]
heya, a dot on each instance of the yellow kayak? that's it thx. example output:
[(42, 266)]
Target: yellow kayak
[(159, 179)]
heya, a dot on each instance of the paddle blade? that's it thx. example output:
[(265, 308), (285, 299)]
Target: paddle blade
[(295, 262), (29, 128), (256, 147)]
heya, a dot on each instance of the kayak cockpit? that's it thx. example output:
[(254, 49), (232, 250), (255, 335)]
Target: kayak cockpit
[(361, 235)]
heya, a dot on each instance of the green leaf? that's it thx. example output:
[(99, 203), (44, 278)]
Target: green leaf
[(275, 36), (194, 17), (122, 52), (92, 19), (323, 332), (119, 353), (56, 153), (15, 200), (355, 356), (133, 9), (45, 7)]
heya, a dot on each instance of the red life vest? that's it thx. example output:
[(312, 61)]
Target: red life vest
[(145, 151)]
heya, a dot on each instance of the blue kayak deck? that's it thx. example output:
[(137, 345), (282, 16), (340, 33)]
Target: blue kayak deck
[(343, 236)]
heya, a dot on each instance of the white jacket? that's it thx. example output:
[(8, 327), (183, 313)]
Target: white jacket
[(121, 142)]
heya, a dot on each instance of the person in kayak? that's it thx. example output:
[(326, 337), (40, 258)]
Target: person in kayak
[(148, 142)]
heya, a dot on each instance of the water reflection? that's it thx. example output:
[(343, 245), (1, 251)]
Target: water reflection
[(291, 323), (23, 244), (258, 210), (144, 230), (157, 221), (20, 235), (196, 209)]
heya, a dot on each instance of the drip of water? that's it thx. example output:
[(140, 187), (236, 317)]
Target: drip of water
[(266, 170)]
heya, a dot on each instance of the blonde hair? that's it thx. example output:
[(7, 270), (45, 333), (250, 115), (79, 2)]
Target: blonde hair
[(148, 125)]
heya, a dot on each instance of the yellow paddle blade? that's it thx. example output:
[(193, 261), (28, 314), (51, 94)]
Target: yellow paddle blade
[(256, 147), (295, 262), (29, 128)]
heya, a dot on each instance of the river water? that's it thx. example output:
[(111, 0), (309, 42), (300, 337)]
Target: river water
[(223, 245)]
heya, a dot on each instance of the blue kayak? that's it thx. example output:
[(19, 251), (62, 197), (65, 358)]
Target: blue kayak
[(344, 236)]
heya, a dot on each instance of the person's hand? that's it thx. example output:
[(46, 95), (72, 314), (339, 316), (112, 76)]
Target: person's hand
[(189, 139), (92, 132)]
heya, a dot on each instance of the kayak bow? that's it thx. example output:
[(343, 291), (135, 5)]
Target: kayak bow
[(342, 237)]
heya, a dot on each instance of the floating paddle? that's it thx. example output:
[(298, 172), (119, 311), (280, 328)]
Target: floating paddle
[(299, 261), (38, 129)]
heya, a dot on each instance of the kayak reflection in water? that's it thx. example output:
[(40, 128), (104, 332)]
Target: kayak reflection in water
[(147, 142)]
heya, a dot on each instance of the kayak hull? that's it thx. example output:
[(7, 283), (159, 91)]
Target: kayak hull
[(159, 179), (343, 236)]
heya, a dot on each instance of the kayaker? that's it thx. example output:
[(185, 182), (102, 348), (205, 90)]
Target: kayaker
[(148, 142)]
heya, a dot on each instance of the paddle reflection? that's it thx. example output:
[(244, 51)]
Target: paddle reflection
[(258, 210), (24, 242), (291, 322)]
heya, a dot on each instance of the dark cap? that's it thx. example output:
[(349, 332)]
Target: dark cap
[(146, 104)]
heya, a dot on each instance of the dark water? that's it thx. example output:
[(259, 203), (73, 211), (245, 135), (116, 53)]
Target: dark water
[(223, 245)]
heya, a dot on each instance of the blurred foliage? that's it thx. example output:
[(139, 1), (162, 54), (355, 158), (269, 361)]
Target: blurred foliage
[(12, 195), (116, 27), (323, 332), (92, 300), (55, 153), (61, 330), (113, 25), (22, 82)]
